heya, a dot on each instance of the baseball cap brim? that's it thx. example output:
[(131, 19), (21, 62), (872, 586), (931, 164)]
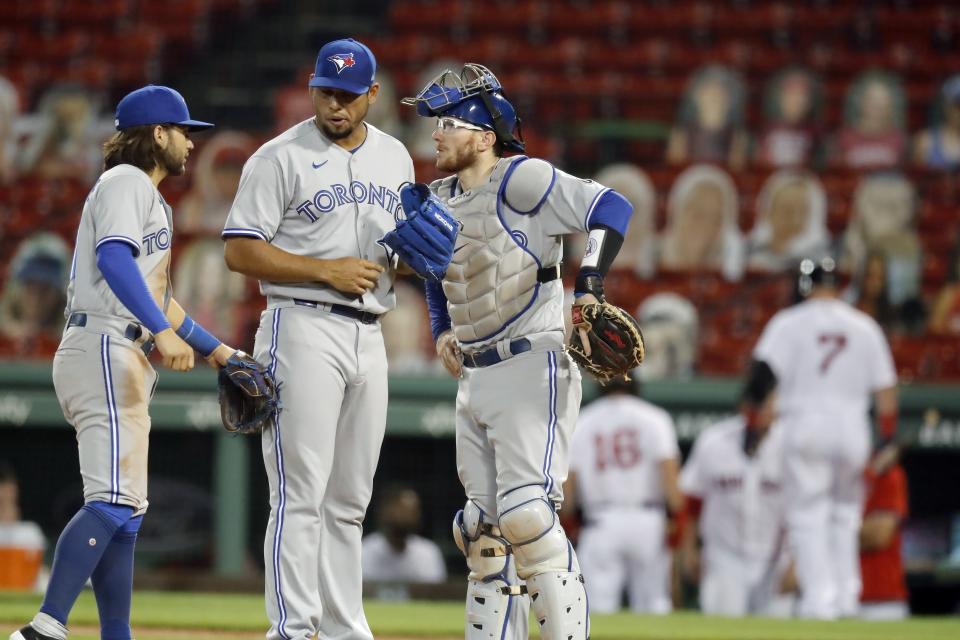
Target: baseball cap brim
[(330, 83), (195, 125)]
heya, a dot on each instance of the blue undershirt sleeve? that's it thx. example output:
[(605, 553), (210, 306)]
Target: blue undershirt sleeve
[(612, 211), (120, 270), (437, 306)]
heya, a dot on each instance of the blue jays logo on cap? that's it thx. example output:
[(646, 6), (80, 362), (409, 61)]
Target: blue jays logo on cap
[(347, 65), (342, 61)]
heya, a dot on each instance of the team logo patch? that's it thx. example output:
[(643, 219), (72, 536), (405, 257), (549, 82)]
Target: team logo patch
[(591, 247), (342, 61)]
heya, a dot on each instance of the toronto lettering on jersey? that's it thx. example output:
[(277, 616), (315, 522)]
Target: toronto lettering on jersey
[(337, 195), (157, 240)]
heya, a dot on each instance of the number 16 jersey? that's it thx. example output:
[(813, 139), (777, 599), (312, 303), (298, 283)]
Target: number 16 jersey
[(616, 452)]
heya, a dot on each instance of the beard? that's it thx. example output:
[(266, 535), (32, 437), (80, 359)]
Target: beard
[(334, 134), (173, 164), (462, 158), (340, 134)]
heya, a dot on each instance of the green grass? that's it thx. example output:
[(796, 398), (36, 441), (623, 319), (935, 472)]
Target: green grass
[(244, 616)]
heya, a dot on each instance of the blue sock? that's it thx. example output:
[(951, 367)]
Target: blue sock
[(80, 547), (113, 582)]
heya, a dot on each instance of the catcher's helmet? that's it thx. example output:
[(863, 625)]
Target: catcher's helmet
[(474, 95), (815, 274)]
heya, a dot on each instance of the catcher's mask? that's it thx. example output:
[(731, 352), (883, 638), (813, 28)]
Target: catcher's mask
[(474, 95), (815, 274)]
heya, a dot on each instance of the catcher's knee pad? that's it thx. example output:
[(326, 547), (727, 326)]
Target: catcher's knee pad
[(497, 608), (488, 554), (528, 521)]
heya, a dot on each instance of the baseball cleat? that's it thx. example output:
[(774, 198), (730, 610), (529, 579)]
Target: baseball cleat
[(29, 633)]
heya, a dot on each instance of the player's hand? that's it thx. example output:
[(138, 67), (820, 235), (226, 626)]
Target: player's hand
[(350, 274), (587, 298), (449, 351), (220, 356), (177, 354)]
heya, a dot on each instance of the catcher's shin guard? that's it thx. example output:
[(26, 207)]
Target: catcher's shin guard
[(546, 560), (497, 607)]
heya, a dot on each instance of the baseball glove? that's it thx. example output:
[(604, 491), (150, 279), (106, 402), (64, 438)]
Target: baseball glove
[(424, 239), (616, 344), (248, 395)]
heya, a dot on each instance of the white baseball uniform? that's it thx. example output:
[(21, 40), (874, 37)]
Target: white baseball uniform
[(308, 196), (741, 523), (420, 560), (101, 374), (829, 358), (616, 452)]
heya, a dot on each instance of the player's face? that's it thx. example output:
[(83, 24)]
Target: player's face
[(459, 143), (175, 147), (339, 113)]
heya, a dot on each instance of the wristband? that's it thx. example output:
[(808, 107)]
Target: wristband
[(197, 337)]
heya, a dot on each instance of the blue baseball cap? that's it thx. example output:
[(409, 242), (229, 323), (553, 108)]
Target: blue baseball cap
[(155, 104), (346, 64)]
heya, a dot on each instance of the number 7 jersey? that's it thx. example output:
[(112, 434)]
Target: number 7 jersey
[(828, 357)]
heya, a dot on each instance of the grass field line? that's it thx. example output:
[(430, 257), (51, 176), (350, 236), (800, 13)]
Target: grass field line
[(204, 616)]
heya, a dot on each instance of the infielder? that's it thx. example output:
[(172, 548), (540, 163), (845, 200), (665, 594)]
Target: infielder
[(119, 306), (624, 464), (497, 318), (829, 359), (733, 483), (310, 207)]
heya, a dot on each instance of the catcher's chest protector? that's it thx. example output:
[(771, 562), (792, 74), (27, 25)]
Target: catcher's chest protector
[(491, 278)]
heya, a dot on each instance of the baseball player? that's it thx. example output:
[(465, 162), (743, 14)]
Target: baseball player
[(119, 307), (733, 483), (829, 360), (497, 318), (310, 207), (624, 464)]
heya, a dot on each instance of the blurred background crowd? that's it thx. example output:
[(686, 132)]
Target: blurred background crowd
[(747, 134)]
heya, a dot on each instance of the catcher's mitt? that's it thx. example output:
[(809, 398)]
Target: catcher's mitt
[(616, 344), (424, 239), (248, 395)]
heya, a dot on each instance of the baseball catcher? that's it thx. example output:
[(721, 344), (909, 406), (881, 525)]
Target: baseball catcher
[(424, 239), (248, 395)]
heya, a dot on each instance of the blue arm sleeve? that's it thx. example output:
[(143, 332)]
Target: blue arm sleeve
[(120, 270), (437, 306), (612, 211), (197, 337)]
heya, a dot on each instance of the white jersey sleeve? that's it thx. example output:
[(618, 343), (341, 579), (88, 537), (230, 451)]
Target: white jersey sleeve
[(775, 345), (664, 439), (122, 204), (262, 198), (562, 202)]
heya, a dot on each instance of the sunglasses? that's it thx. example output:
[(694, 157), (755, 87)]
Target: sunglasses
[(448, 124)]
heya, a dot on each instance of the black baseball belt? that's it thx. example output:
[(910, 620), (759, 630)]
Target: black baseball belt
[(132, 332), (365, 317)]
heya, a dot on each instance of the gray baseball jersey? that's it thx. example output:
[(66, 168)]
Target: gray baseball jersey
[(102, 378), (308, 196), (511, 226)]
